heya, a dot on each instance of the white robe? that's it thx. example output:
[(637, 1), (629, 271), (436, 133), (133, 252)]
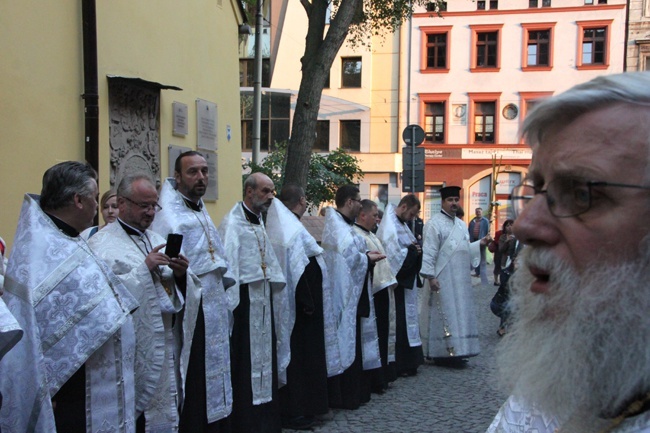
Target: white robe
[(447, 255), (210, 292), (74, 311), (382, 278), (244, 244), (396, 238), (156, 370), (293, 246), (10, 331), (517, 416), (347, 266)]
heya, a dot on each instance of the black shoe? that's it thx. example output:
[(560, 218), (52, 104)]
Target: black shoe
[(300, 423), (496, 284)]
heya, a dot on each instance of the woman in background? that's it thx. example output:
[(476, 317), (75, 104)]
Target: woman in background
[(109, 210)]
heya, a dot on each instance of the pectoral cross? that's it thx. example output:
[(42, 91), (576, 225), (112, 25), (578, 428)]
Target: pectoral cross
[(166, 287), (211, 250), (264, 269)]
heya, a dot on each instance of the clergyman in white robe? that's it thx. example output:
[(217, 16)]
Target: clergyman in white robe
[(258, 285), (75, 312), (203, 247), (156, 369), (448, 318)]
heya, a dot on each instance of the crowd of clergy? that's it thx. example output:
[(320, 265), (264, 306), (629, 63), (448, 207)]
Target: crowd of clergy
[(252, 326)]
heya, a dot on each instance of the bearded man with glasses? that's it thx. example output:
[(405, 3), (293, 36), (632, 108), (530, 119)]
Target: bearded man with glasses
[(577, 358)]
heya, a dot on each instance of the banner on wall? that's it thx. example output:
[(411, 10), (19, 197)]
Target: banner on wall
[(479, 195), (507, 181)]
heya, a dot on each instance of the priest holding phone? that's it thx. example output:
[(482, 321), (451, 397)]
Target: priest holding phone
[(205, 354), (135, 254)]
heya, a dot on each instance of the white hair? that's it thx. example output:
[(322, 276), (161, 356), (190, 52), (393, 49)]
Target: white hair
[(582, 350)]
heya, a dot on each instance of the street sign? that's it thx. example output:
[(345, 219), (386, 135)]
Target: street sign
[(407, 181), (413, 135), (412, 158)]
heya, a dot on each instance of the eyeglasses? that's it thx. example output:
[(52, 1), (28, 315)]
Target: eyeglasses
[(565, 196), (146, 206), (358, 200)]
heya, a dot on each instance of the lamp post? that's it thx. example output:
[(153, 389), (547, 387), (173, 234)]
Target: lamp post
[(257, 85)]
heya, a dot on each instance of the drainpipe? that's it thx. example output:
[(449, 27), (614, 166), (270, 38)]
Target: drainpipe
[(91, 87), (627, 37)]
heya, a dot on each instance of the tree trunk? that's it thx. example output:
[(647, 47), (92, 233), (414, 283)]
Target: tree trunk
[(317, 60)]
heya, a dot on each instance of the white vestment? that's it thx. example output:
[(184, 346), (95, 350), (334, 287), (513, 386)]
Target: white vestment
[(247, 248), (396, 238), (293, 246), (74, 311), (199, 236), (447, 255), (156, 370), (347, 266), (10, 331), (382, 278), (517, 416)]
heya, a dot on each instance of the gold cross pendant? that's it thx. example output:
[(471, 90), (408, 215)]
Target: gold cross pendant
[(211, 251), (264, 269)]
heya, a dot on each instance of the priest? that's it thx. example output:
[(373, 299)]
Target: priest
[(76, 353), (447, 315), (309, 303), (205, 354), (377, 330), (135, 254), (405, 257), (258, 287), (349, 263)]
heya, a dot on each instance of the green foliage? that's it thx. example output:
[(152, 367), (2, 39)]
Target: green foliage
[(382, 17), (327, 172)]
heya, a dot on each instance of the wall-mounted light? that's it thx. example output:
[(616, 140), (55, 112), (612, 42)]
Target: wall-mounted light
[(245, 29)]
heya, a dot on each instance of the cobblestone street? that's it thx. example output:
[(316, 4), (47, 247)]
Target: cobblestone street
[(439, 399)]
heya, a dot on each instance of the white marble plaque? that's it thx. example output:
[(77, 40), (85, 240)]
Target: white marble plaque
[(206, 125)]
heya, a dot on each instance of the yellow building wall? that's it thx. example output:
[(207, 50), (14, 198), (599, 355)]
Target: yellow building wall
[(191, 45)]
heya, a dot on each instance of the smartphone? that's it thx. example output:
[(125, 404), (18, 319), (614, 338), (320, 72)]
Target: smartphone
[(174, 242)]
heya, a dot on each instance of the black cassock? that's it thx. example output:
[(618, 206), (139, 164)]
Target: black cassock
[(305, 393)]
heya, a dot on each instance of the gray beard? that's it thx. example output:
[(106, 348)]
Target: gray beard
[(582, 350)]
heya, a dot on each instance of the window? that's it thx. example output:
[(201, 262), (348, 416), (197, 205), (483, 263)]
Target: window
[(435, 49), (350, 135), (437, 6), (532, 3), (274, 126), (593, 38), (602, 2), (646, 63), (527, 102), (351, 72), (593, 46), (480, 4), (486, 48), (433, 115), (247, 72), (538, 46), (434, 122), (483, 110), (322, 142), (546, 3), (484, 118)]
